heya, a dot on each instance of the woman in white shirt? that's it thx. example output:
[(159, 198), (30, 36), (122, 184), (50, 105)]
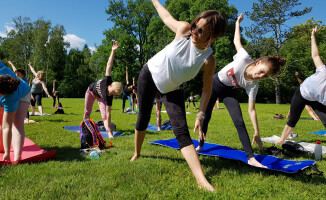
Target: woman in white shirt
[(243, 72), (312, 92), (178, 62)]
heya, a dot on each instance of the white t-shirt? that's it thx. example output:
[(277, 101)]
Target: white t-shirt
[(179, 62), (233, 74), (314, 87)]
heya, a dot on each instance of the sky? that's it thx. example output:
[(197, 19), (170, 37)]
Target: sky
[(85, 20)]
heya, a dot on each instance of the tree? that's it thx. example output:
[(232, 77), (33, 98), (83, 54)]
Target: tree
[(271, 17)]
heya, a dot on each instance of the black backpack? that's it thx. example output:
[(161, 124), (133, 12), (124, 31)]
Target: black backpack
[(90, 136)]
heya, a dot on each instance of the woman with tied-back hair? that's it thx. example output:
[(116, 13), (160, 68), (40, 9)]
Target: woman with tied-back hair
[(243, 72), (38, 85), (178, 62), (312, 92), (14, 98)]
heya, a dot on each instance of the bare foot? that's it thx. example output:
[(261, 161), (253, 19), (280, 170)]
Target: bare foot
[(253, 162), (135, 157), (6, 157), (258, 141), (207, 187), (280, 142), (199, 149)]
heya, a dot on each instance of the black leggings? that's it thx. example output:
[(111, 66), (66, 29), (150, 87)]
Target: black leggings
[(297, 105), (38, 99), (173, 102), (55, 100), (227, 96)]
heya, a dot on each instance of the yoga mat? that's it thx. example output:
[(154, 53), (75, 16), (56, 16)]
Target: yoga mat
[(319, 133), (31, 153), (273, 163), (103, 132), (38, 114), (307, 146), (152, 127)]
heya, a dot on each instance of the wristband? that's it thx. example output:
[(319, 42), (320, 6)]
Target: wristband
[(200, 116)]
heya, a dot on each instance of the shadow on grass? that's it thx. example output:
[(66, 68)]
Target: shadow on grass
[(66, 153), (57, 120)]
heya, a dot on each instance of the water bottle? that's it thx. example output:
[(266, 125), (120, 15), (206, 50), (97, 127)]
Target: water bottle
[(318, 150), (94, 154)]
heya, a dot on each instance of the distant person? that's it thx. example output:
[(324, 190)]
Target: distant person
[(308, 108), (38, 85), (14, 97), (179, 62), (191, 99), (103, 90), (217, 103), (312, 92), (127, 91), (55, 95), (244, 73)]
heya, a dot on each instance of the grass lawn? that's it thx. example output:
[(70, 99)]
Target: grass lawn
[(161, 173)]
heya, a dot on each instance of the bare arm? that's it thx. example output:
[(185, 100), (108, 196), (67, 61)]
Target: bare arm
[(107, 123), (109, 64), (32, 69), (45, 89), (127, 78), (314, 49), (209, 69), (12, 66), (53, 90), (178, 27), (297, 76), (253, 116), (237, 36), (133, 81)]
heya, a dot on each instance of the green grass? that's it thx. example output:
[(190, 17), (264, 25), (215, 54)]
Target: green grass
[(161, 173)]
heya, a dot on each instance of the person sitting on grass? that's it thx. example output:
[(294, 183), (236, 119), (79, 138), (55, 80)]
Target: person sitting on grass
[(15, 95), (38, 85), (103, 90), (312, 92), (243, 72)]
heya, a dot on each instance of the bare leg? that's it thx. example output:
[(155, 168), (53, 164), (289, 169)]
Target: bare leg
[(18, 131), (311, 113), (139, 139), (158, 115), (190, 155), (33, 110), (286, 132), (40, 109)]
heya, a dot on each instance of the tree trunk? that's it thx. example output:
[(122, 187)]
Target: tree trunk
[(277, 91)]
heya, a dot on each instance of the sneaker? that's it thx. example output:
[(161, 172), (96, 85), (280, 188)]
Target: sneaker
[(292, 136)]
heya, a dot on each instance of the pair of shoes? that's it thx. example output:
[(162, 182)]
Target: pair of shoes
[(292, 136)]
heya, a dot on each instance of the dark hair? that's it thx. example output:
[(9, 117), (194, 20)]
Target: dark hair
[(8, 84), (21, 70), (216, 20), (274, 63)]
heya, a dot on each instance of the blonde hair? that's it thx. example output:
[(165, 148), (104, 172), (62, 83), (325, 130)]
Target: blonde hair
[(117, 87), (40, 74)]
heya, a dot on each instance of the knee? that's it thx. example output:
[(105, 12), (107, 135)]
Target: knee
[(184, 140)]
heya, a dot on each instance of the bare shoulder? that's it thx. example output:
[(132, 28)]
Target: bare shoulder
[(209, 64), (183, 28)]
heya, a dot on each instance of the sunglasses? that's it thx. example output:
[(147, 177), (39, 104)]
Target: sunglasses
[(199, 30)]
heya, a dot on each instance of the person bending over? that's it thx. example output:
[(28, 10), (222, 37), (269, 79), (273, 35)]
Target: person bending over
[(312, 92), (103, 90), (15, 96), (127, 92), (178, 62), (243, 72)]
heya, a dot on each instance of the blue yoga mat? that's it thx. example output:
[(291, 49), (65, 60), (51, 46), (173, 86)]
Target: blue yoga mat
[(319, 133), (273, 163), (152, 127), (103, 132)]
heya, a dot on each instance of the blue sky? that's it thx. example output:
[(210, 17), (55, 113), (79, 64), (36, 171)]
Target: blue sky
[(85, 20)]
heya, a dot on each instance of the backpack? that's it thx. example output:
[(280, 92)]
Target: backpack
[(293, 147), (90, 135)]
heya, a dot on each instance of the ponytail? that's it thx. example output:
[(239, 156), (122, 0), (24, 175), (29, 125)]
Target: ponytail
[(8, 84)]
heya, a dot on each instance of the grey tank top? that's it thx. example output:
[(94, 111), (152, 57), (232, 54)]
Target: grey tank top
[(36, 87)]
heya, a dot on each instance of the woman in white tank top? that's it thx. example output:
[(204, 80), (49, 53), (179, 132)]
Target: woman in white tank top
[(312, 92), (178, 62)]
